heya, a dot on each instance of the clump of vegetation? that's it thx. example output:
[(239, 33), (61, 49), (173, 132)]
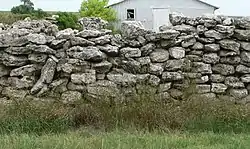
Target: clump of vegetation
[(34, 118), (10, 18), (98, 8), (141, 112), (67, 20), (28, 8)]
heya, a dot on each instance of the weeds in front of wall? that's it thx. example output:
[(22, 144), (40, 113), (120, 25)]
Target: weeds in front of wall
[(142, 112)]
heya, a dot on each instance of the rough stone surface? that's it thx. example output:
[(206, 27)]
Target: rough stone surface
[(238, 93), (159, 56), (84, 78), (177, 52), (42, 62), (234, 82), (218, 88), (211, 58), (224, 69), (71, 96), (230, 45)]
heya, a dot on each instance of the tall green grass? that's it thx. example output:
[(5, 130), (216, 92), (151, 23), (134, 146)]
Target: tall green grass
[(143, 112)]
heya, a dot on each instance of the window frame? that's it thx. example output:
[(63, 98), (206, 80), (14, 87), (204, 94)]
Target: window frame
[(131, 19)]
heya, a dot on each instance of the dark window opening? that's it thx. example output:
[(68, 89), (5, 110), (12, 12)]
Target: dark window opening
[(130, 14)]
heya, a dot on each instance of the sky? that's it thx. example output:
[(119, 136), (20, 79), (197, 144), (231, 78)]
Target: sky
[(227, 7)]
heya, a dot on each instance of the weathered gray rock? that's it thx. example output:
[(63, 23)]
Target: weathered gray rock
[(75, 87), (18, 50), (106, 39), (201, 89), (233, 60), (211, 58), (14, 93), (229, 30), (188, 42), (201, 29), (238, 93), (84, 78), (174, 65), (124, 79), (89, 34), (65, 34), (169, 34), (12, 60), (234, 82), (130, 65), (202, 80), (206, 40), (230, 45), (228, 53), (217, 78), (144, 61), (102, 67), (245, 46), (47, 75), (154, 80), (93, 23), (86, 53), (71, 97), (242, 69), (242, 34), (109, 50), (228, 21), (25, 82), (41, 49), (245, 56), (147, 49), (159, 56), (58, 43), (130, 52), (184, 28), (202, 68), (59, 86), (177, 52), (164, 87), (4, 71), (37, 39), (223, 69), (212, 47), (156, 69), (177, 18), (133, 29), (194, 58), (214, 34), (198, 46), (103, 88), (193, 75), (27, 70), (245, 78), (172, 76), (218, 88), (37, 58), (78, 41)]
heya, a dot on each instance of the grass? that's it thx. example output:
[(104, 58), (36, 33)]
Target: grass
[(125, 140), (143, 121)]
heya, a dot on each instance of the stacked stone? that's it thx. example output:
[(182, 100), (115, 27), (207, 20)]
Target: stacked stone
[(219, 51), (40, 62)]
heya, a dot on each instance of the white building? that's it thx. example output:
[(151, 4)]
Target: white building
[(154, 13)]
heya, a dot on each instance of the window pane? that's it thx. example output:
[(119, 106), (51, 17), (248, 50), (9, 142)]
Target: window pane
[(130, 13)]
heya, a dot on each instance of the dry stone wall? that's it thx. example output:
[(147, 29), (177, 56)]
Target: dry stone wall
[(39, 62)]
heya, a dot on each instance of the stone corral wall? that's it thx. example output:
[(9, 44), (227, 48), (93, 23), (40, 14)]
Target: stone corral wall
[(40, 62)]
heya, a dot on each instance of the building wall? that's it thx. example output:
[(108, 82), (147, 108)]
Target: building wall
[(144, 9)]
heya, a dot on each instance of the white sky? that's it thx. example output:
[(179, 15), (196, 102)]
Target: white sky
[(227, 7)]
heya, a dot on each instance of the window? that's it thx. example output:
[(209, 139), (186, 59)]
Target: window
[(130, 14)]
